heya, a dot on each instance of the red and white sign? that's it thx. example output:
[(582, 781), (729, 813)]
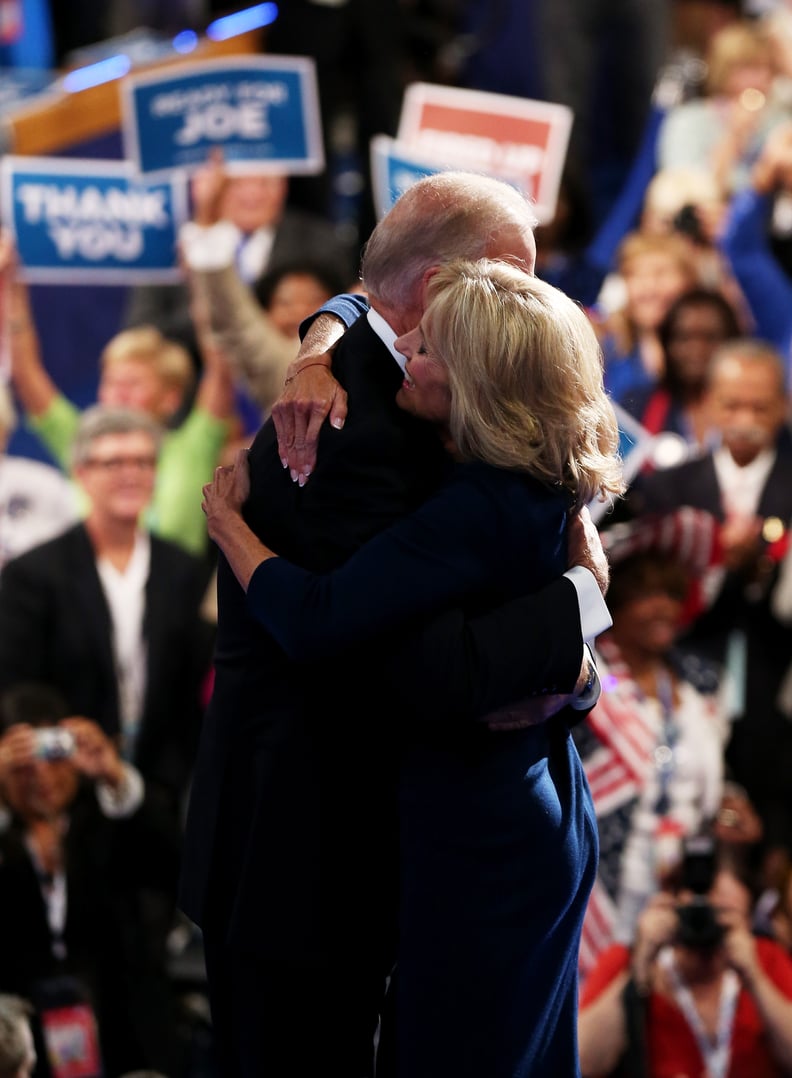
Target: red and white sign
[(512, 138)]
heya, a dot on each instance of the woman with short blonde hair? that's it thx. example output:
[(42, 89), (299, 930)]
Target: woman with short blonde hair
[(525, 373)]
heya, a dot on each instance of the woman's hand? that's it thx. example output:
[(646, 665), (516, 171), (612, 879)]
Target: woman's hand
[(226, 494), (222, 503)]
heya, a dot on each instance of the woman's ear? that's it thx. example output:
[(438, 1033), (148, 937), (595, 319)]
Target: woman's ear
[(428, 274)]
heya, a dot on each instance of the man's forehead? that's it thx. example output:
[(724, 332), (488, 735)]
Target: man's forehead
[(126, 437)]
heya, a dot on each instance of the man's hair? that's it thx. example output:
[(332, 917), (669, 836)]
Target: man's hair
[(102, 419), (525, 374), (14, 1048), (145, 344), (441, 217), (33, 702), (750, 350)]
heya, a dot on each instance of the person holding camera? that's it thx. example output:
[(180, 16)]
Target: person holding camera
[(697, 993), (82, 839)]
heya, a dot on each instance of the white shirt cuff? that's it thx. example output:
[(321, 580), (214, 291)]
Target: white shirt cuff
[(209, 247), (124, 800), (594, 615)]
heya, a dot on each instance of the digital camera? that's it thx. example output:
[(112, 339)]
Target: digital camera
[(698, 922), (54, 743)]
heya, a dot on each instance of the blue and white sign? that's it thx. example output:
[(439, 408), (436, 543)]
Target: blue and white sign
[(263, 112), (394, 168), (91, 221)]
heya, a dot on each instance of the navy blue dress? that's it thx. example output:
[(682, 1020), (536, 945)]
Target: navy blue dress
[(498, 835)]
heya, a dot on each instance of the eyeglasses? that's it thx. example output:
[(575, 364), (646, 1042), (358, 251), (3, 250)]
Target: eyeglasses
[(116, 464)]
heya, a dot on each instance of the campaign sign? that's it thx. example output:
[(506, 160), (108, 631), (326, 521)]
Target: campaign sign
[(79, 221), (507, 137), (394, 168), (263, 112)]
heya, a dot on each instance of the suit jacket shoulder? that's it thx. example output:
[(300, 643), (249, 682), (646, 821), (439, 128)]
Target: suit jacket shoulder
[(379, 466), (693, 483)]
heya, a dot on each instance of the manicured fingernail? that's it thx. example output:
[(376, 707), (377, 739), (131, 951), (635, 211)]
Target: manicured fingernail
[(294, 475), (307, 472), (284, 462), (301, 481), (338, 423)]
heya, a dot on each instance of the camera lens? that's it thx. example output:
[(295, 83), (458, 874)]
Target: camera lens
[(698, 925)]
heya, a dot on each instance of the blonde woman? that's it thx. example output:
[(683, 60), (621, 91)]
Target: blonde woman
[(498, 839), (652, 271), (723, 131)]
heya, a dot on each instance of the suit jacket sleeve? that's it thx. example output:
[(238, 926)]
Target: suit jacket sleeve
[(466, 667)]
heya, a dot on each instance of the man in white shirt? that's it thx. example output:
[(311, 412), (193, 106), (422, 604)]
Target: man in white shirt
[(746, 482)]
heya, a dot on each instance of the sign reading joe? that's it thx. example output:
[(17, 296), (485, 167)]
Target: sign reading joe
[(263, 111), (91, 221)]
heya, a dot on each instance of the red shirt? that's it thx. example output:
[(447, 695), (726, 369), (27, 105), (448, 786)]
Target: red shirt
[(673, 1052)]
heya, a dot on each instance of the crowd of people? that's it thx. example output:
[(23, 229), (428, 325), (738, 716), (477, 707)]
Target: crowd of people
[(304, 658)]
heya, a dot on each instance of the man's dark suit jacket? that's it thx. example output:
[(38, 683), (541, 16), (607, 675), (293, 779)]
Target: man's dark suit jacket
[(299, 237), (290, 802), (760, 746), (55, 627)]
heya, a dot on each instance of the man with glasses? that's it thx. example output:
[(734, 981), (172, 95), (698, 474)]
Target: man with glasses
[(109, 614)]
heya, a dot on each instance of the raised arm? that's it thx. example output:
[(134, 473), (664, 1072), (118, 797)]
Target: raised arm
[(33, 385), (746, 243), (215, 391), (222, 304)]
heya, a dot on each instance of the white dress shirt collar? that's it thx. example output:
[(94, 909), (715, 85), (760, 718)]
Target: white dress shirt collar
[(386, 335), (741, 487)]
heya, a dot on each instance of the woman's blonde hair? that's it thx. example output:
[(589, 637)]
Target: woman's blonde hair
[(145, 344), (637, 244), (525, 374), (739, 44)]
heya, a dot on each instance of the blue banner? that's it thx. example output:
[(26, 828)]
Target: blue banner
[(395, 168), (262, 112), (91, 221)]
